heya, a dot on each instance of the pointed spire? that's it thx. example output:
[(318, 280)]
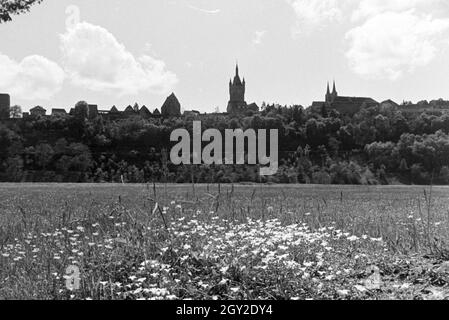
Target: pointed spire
[(328, 90), (237, 69), (334, 90)]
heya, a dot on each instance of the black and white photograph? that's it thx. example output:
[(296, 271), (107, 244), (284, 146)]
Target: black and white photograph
[(252, 151)]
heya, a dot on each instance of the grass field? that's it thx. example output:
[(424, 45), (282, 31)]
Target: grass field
[(223, 242)]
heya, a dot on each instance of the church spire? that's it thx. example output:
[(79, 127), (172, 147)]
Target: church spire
[(334, 90), (328, 90), (237, 69)]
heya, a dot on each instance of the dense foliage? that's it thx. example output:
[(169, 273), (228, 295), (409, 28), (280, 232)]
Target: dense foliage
[(373, 147)]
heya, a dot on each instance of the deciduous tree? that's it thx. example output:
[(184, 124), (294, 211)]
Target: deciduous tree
[(14, 7)]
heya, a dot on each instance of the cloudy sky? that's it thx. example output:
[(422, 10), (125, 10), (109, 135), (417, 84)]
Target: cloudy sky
[(117, 52)]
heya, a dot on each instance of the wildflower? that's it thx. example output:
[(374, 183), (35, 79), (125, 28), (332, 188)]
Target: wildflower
[(343, 292), (137, 291), (360, 288), (308, 264)]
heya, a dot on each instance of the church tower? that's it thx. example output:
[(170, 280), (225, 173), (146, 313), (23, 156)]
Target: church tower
[(237, 93), (328, 94), (334, 92), (330, 97)]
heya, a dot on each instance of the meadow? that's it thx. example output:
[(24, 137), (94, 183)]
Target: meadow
[(223, 241)]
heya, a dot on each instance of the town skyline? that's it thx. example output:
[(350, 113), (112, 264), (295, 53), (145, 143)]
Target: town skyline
[(237, 103), (306, 43)]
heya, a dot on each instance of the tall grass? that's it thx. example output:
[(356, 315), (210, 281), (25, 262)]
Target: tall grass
[(213, 241)]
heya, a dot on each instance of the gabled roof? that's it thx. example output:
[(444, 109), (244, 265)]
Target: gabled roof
[(129, 109), (253, 106), (171, 106), (156, 111), (360, 100), (114, 109), (36, 108), (352, 101), (144, 111)]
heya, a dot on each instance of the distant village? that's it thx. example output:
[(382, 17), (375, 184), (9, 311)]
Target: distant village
[(345, 105)]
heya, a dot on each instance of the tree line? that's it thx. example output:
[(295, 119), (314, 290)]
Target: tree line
[(376, 146)]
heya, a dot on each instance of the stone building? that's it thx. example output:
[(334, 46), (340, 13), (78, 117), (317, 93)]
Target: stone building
[(344, 105), (171, 107), (92, 111), (37, 111), (5, 105), (129, 111), (156, 113), (144, 112), (237, 89)]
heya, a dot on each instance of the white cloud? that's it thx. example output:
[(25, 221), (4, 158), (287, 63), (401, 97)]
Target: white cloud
[(315, 14), (207, 11), (258, 37), (370, 8), (385, 38), (94, 59), (35, 77), (389, 44)]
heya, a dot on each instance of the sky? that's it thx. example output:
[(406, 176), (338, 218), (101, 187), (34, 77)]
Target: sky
[(117, 52)]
